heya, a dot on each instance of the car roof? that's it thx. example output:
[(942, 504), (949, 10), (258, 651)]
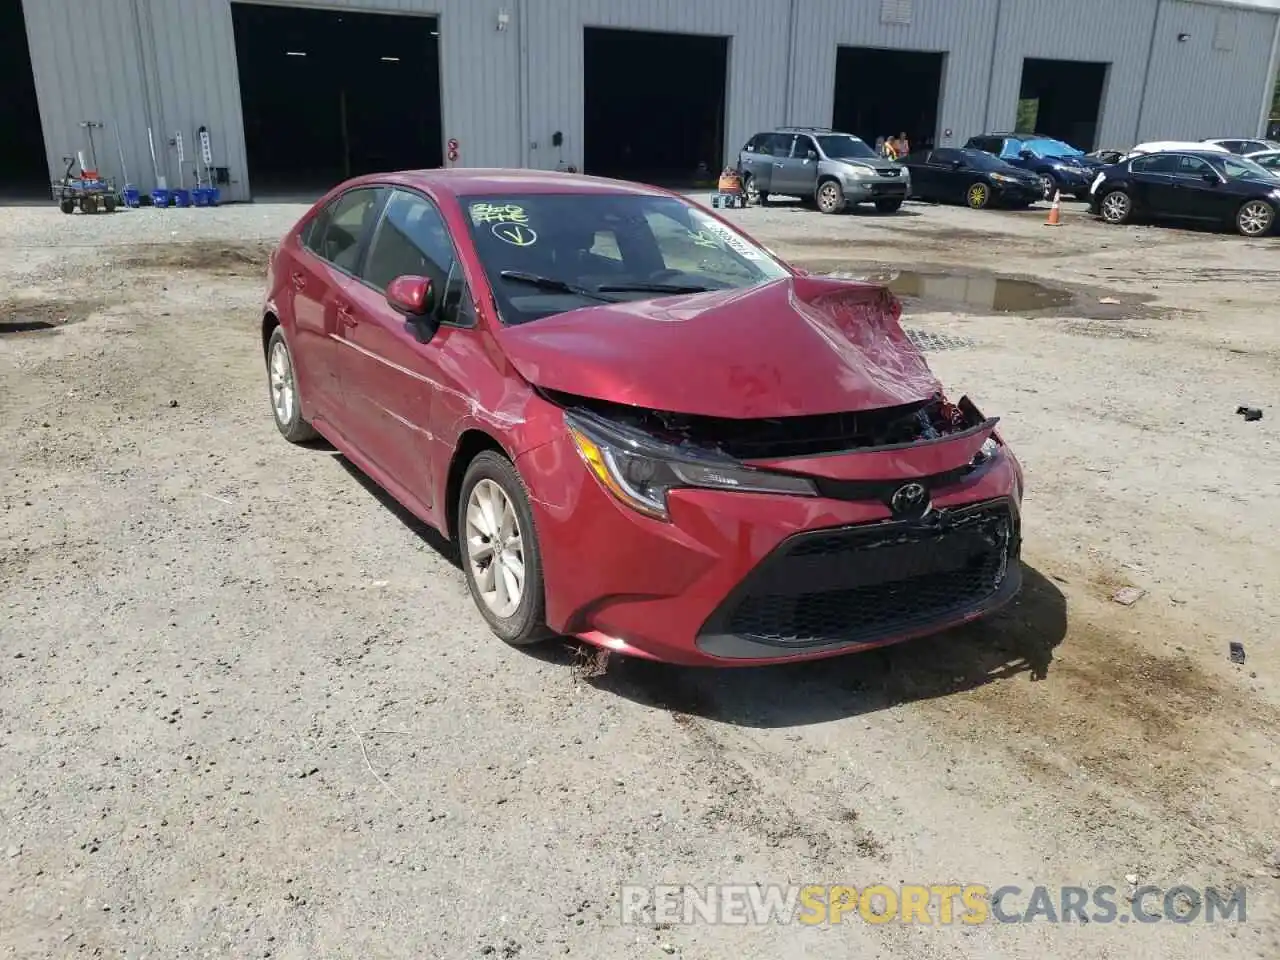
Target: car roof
[(471, 181), (1190, 152)]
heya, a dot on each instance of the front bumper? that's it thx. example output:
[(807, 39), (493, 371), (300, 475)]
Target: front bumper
[(883, 188), (740, 579)]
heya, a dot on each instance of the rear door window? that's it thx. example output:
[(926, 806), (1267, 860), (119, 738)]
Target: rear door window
[(944, 157), (1161, 163), (779, 145), (338, 230)]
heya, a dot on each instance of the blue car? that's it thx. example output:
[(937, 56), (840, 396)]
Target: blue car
[(1059, 165)]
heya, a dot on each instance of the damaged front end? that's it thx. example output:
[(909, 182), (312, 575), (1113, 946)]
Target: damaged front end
[(641, 455)]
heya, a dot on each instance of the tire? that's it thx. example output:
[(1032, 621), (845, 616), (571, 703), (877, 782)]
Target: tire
[(67, 206), (1255, 218), (489, 475), (978, 196), (1115, 207), (282, 383), (1048, 186), (753, 196), (889, 206), (88, 204), (830, 197), (109, 204)]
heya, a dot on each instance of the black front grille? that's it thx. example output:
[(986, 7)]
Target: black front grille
[(861, 584), (889, 189)]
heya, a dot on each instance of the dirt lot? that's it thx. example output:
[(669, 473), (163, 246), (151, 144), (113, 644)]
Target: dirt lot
[(247, 709)]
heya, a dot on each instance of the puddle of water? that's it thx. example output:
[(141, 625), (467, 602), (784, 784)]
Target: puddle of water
[(997, 294)]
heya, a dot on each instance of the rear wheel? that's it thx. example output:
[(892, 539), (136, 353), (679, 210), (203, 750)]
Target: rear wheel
[(978, 195), (830, 197), (1255, 218), (755, 197), (1116, 207), (88, 204), (67, 206), (889, 206), (282, 381), (499, 550), (109, 204)]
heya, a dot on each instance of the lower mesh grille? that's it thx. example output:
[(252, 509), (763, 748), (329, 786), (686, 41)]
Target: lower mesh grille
[(867, 583)]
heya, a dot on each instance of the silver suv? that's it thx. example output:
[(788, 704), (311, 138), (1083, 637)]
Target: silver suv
[(832, 169)]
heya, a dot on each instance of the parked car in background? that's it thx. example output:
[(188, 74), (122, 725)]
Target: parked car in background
[(1245, 147), (1202, 185), (975, 178), (1060, 166), (1164, 146), (639, 426), (831, 169)]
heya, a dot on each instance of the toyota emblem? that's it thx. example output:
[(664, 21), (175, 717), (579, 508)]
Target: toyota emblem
[(910, 498)]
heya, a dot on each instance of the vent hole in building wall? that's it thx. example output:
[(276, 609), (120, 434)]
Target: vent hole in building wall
[(1062, 99), (328, 95), (882, 93), (654, 104), (23, 172)]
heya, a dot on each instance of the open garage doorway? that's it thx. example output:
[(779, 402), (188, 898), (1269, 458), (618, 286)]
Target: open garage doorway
[(1062, 99), (653, 106), (23, 170), (887, 92), (328, 95)]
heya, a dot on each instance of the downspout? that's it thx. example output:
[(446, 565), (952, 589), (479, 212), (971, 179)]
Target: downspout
[(1146, 77), (522, 100), (790, 79), (148, 106), (1269, 94), (991, 68)]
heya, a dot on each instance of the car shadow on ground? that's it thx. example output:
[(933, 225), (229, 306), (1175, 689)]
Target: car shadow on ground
[(429, 534), (860, 210), (1019, 639)]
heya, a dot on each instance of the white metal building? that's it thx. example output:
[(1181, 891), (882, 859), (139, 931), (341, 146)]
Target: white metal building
[(511, 72)]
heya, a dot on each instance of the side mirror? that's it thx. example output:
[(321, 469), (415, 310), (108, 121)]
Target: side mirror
[(811, 155), (1026, 155), (957, 164), (412, 296)]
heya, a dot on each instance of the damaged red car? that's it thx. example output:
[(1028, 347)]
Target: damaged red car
[(640, 427)]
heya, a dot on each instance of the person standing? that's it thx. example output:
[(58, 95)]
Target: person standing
[(903, 145)]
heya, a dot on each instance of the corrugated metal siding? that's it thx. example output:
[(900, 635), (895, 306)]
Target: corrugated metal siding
[(1197, 91), (133, 62), (964, 31), (554, 32), (78, 80), (1100, 31)]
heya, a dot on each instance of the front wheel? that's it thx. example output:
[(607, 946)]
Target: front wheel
[(499, 550), (1116, 207), (1255, 218), (889, 206), (830, 197), (1048, 186), (282, 382), (977, 196)]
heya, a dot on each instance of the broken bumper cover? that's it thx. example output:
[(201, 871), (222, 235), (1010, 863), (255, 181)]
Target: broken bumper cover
[(739, 579)]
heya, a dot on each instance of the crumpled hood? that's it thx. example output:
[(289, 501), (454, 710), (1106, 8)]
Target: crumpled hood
[(793, 347), (878, 166)]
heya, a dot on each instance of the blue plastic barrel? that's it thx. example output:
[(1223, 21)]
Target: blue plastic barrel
[(159, 197), (182, 198), (131, 196)]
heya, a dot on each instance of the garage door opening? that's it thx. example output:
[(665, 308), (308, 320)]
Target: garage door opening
[(1062, 99), (329, 95), (654, 104), (23, 171), (887, 92)]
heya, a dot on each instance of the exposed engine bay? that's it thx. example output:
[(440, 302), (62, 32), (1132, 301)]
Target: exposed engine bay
[(767, 439)]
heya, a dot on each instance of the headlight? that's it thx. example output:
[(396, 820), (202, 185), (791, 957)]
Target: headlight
[(1003, 178), (640, 471), (990, 447)]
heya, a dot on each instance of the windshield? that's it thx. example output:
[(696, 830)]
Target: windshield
[(1045, 147), (549, 253), (1238, 168), (844, 146)]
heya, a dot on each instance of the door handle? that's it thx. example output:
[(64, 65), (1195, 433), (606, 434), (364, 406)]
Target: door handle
[(299, 281), (345, 316)]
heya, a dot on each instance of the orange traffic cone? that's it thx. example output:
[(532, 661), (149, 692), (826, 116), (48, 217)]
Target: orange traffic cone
[(1055, 211)]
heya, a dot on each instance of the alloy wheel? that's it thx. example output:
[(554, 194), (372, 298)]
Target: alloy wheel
[(828, 196), (1048, 187), (1115, 207), (753, 194), (284, 392), (978, 195), (1255, 218), (495, 549)]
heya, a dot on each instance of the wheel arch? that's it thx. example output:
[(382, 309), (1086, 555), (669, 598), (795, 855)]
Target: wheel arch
[(471, 443), (269, 323)]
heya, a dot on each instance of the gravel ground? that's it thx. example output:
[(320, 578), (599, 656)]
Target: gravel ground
[(248, 710)]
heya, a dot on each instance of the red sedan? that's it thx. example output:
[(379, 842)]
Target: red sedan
[(640, 427)]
